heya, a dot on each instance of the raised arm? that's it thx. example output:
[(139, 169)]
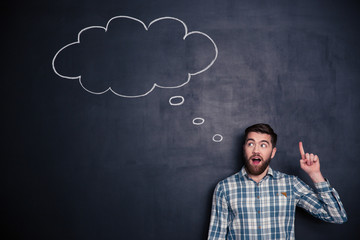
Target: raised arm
[(325, 203)]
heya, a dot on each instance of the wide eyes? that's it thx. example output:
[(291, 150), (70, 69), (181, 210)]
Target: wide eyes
[(262, 145)]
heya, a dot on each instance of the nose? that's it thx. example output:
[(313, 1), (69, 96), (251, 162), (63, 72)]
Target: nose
[(256, 149)]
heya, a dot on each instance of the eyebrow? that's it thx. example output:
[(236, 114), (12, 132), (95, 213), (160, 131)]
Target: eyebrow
[(250, 139)]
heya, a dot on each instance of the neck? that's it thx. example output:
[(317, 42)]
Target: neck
[(258, 178)]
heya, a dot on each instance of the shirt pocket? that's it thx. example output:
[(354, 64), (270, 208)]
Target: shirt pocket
[(282, 203), (282, 197)]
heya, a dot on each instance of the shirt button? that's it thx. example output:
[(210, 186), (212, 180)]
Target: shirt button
[(259, 212), (258, 197), (259, 227)]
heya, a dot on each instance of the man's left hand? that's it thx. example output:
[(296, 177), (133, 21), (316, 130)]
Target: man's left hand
[(310, 163)]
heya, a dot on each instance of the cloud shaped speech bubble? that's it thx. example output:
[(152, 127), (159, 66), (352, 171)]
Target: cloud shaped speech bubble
[(130, 59)]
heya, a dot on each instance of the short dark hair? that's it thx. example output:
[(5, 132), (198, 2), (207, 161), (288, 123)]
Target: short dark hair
[(262, 128)]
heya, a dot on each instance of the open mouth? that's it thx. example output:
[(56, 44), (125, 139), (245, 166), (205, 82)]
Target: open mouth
[(256, 160)]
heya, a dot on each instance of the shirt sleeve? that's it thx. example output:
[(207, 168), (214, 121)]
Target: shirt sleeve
[(325, 204), (219, 215)]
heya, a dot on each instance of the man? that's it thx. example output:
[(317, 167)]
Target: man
[(259, 203)]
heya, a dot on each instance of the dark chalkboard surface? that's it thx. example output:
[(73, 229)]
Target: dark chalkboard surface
[(121, 116)]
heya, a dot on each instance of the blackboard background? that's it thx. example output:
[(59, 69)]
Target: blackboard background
[(81, 166)]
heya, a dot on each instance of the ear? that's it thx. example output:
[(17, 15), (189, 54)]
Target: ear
[(273, 153)]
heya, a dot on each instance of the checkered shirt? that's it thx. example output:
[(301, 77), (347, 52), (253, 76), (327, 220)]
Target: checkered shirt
[(244, 209)]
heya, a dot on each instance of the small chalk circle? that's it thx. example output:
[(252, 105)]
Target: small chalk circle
[(217, 138), (198, 121), (175, 103)]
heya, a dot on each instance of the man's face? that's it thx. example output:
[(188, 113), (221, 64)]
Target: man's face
[(258, 152)]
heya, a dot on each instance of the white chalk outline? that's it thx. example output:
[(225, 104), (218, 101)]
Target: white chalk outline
[(176, 104), (217, 135), (202, 120), (146, 28)]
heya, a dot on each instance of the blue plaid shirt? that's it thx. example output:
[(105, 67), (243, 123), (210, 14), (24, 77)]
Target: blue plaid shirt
[(244, 209)]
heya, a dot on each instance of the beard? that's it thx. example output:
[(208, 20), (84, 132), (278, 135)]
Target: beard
[(256, 169)]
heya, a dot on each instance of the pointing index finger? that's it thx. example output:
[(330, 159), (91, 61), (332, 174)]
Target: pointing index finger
[(302, 152)]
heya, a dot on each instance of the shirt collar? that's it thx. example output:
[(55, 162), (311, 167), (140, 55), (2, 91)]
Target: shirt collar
[(270, 172)]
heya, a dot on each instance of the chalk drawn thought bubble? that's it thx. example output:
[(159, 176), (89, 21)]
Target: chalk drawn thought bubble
[(130, 59)]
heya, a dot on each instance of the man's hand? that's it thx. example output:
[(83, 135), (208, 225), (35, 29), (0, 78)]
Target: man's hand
[(310, 163)]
